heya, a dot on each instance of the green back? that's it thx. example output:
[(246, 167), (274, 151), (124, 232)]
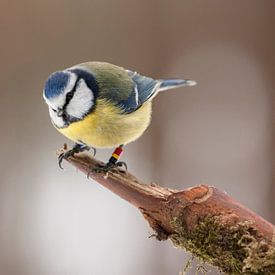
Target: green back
[(114, 82)]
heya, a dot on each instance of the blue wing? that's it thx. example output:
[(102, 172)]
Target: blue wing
[(145, 86), (144, 89)]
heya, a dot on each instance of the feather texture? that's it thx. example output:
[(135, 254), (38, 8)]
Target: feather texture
[(125, 88), (146, 87), (109, 105), (107, 127)]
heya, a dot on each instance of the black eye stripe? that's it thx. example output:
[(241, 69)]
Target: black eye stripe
[(70, 94), (75, 85)]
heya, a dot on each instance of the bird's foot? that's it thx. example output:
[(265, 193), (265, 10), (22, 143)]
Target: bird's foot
[(78, 148), (107, 167)]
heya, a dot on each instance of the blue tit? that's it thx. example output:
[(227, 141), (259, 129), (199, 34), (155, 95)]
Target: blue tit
[(100, 105)]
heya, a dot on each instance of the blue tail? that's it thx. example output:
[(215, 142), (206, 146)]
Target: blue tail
[(167, 84)]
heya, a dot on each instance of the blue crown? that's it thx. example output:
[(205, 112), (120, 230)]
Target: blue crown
[(56, 83)]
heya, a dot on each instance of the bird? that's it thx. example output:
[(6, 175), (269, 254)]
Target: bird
[(101, 105)]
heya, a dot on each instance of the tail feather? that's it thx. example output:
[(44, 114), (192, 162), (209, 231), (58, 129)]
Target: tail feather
[(167, 84)]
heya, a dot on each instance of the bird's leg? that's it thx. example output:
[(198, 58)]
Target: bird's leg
[(76, 149), (113, 162)]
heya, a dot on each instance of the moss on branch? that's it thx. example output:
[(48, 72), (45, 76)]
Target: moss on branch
[(235, 249)]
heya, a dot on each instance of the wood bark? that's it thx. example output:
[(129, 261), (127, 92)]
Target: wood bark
[(202, 220)]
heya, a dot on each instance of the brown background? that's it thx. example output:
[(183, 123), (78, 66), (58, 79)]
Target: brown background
[(219, 132)]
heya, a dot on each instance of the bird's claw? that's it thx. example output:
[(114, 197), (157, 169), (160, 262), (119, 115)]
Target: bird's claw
[(122, 164), (76, 149), (64, 155), (94, 151), (106, 168)]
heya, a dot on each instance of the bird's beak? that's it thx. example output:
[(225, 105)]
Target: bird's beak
[(60, 113)]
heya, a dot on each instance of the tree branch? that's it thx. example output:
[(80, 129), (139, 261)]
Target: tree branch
[(202, 220)]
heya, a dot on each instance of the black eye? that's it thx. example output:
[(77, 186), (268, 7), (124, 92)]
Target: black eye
[(65, 116), (69, 96)]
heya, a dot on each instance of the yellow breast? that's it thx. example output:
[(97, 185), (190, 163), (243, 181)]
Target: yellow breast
[(107, 127)]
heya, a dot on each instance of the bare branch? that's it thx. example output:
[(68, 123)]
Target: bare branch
[(202, 220)]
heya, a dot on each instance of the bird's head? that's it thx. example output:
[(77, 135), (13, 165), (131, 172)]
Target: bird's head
[(70, 95)]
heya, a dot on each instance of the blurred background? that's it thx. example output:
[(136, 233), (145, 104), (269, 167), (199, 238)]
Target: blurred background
[(220, 132)]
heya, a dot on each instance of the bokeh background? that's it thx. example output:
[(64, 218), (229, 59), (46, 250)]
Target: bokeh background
[(220, 132)]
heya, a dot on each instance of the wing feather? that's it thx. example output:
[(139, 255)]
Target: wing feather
[(146, 86)]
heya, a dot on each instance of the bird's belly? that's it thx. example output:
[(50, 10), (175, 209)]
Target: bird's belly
[(107, 128)]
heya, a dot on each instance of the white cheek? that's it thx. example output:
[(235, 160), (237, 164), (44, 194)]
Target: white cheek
[(56, 102), (57, 121), (81, 102)]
